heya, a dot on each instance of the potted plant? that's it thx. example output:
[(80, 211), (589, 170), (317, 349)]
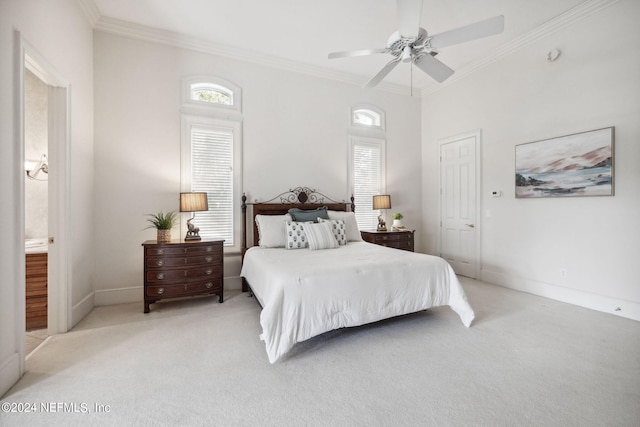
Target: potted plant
[(163, 223), (397, 219)]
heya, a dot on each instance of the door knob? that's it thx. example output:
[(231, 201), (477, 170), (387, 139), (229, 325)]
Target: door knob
[(470, 225)]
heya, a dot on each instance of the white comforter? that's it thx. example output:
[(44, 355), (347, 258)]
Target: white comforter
[(305, 293)]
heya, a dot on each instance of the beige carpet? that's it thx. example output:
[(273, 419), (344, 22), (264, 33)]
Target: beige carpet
[(33, 338), (526, 361)]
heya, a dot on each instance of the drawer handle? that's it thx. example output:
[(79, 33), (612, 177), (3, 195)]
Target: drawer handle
[(160, 291), (384, 237), (209, 285), (208, 271), (160, 262), (209, 259), (160, 251), (160, 276), (209, 248)]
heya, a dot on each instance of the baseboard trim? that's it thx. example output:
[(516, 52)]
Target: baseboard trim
[(615, 306), (81, 309), (118, 296), (135, 293), (9, 373)]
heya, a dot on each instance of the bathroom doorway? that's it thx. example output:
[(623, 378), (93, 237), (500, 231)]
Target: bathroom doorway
[(45, 145), (36, 201)]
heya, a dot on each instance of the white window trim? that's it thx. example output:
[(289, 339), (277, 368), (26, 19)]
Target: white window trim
[(233, 126), (195, 107), (370, 107), (362, 140)]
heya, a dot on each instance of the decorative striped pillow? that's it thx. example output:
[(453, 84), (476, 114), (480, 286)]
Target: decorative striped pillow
[(320, 236)]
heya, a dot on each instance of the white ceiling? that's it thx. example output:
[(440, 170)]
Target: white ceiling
[(305, 31)]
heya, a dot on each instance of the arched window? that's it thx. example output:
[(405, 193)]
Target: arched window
[(208, 92), (367, 116)]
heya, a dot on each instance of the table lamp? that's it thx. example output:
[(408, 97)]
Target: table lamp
[(193, 202), (382, 201)]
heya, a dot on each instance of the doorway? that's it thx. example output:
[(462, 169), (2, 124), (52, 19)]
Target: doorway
[(459, 191), (36, 196), (49, 204)]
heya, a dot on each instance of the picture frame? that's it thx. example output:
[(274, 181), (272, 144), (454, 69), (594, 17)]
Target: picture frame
[(580, 164)]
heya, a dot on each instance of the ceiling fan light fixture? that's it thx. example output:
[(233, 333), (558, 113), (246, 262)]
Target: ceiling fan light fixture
[(406, 54)]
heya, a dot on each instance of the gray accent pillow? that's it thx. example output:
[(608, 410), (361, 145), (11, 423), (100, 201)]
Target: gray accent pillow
[(302, 215)]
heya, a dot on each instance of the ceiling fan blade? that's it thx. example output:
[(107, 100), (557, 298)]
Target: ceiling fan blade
[(409, 12), (362, 52), (434, 68), (488, 27), (382, 73)]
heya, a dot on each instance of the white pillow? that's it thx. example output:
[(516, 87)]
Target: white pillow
[(338, 228), (295, 235), (271, 230), (320, 236), (351, 226)]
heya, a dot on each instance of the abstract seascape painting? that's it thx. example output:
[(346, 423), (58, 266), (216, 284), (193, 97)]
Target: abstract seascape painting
[(567, 166)]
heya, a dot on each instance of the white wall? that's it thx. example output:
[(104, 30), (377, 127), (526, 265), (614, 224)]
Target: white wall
[(526, 242), (61, 35), (294, 134)]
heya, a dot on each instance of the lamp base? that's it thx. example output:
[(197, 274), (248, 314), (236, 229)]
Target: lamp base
[(193, 232)]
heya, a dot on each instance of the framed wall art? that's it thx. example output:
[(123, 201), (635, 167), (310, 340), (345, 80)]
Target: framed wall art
[(566, 166)]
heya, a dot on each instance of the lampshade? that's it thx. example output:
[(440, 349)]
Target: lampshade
[(193, 202), (382, 201)]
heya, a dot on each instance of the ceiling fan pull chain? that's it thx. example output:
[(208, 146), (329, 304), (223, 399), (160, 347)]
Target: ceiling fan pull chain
[(411, 78)]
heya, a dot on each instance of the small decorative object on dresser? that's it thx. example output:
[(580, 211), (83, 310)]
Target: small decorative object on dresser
[(179, 269), (397, 221), (391, 239), (163, 223)]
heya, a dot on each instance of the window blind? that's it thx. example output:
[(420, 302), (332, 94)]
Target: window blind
[(212, 172), (367, 160)]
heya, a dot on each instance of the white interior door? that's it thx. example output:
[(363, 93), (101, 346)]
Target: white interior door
[(458, 202)]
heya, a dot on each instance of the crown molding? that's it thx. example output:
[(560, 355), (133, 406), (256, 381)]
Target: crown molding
[(155, 35), (573, 15), (90, 10)]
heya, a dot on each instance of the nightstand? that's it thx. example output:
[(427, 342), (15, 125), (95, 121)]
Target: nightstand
[(181, 269), (392, 239)]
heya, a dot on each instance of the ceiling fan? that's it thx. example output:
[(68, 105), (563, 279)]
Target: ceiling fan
[(412, 42)]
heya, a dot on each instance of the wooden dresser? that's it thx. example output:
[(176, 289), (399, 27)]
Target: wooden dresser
[(181, 269), (392, 239)]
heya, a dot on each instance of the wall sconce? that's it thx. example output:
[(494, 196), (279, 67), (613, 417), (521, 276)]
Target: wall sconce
[(193, 202), (34, 167), (380, 202)]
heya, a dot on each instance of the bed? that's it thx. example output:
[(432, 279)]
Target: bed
[(307, 291)]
